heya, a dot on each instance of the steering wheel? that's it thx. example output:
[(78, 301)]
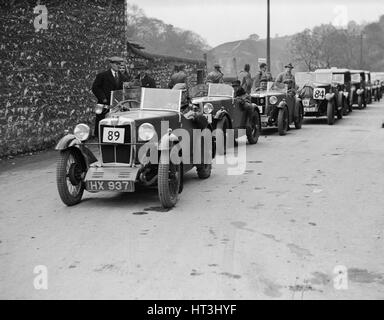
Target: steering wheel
[(120, 104)]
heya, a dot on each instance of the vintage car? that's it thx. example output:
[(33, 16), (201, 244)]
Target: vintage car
[(137, 143), (321, 96), (278, 106), (342, 79), (358, 93), (368, 87), (378, 85), (226, 111)]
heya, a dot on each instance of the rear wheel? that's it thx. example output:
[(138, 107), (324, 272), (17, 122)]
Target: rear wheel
[(331, 113), (168, 180), (204, 170), (360, 102), (253, 132), (70, 174), (282, 121)]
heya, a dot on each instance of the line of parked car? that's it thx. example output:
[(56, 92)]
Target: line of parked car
[(135, 149)]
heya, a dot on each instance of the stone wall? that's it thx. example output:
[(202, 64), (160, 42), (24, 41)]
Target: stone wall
[(46, 76)]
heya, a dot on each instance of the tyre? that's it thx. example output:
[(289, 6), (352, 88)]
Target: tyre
[(282, 121), (204, 170), (330, 113), (168, 180), (222, 125), (253, 132), (70, 174), (360, 102), (299, 120)]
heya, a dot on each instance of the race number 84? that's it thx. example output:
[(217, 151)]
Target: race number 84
[(319, 93)]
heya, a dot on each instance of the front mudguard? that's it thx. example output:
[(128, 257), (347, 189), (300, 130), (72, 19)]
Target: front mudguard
[(70, 141)]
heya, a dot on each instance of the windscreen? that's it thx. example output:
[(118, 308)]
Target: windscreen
[(355, 77), (220, 90), (323, 77), (160, 99), (303, 78), (338, 78), (126, 94)]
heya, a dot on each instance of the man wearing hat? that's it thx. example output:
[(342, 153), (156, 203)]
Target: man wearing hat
[(105, 82), (287, 77), (243, 100), (215, 76), (262, 77)]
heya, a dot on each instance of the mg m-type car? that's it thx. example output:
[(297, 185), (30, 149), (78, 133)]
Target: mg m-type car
[(225, 111), (368, 87), (321, 96), (278, 107), (137, 145), (342, 79), (358, 93)]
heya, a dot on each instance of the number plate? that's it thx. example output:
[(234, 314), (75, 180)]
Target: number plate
[(113, 135), (105, 185), (305, 102), (260, 109), (313, 109), (319, 93)]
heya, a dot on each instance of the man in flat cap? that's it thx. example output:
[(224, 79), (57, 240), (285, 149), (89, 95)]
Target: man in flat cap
[(215, 76), (105, 82), (179, 76), (286, 77), (262, 77)]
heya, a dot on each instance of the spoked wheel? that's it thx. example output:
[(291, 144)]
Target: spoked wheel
[(70, 174), (222, 125), (299, 119), (360, 102), (168, 180), (253, 132), (282, 121), (331, 113)]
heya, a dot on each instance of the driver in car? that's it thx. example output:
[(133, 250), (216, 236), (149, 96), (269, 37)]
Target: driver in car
[(243, 100), (194, 113), (287, 77)]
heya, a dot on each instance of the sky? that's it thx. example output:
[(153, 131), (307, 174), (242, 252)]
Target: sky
[(219, 21)]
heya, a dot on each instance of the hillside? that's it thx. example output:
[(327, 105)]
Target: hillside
[(248, 51)]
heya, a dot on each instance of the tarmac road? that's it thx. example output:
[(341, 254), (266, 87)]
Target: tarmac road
[(308, 202)]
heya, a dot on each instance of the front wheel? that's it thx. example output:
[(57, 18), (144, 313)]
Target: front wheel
[(70, 174), (330, 113), (299, 119), (253, 132), (360, 102), (282, 121), (168, 180)]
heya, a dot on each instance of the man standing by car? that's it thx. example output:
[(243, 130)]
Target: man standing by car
[(215, 76), (262, 77), (287, 77), (243, 100), (179, 76), (246, 79), (146, 80), (105, 82)]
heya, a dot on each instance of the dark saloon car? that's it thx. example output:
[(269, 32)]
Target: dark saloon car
[(321, 96), (138, 144), (358, 95), (278, 107)]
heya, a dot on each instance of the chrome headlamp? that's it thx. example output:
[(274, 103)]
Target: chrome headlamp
[(99, 108), (273, 100), (208, 108), (146, 132), (81, 132)]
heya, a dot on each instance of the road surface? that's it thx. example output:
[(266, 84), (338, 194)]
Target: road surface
[(309, 205)]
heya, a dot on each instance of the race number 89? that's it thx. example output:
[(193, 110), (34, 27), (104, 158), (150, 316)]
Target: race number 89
[(113, 135)]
